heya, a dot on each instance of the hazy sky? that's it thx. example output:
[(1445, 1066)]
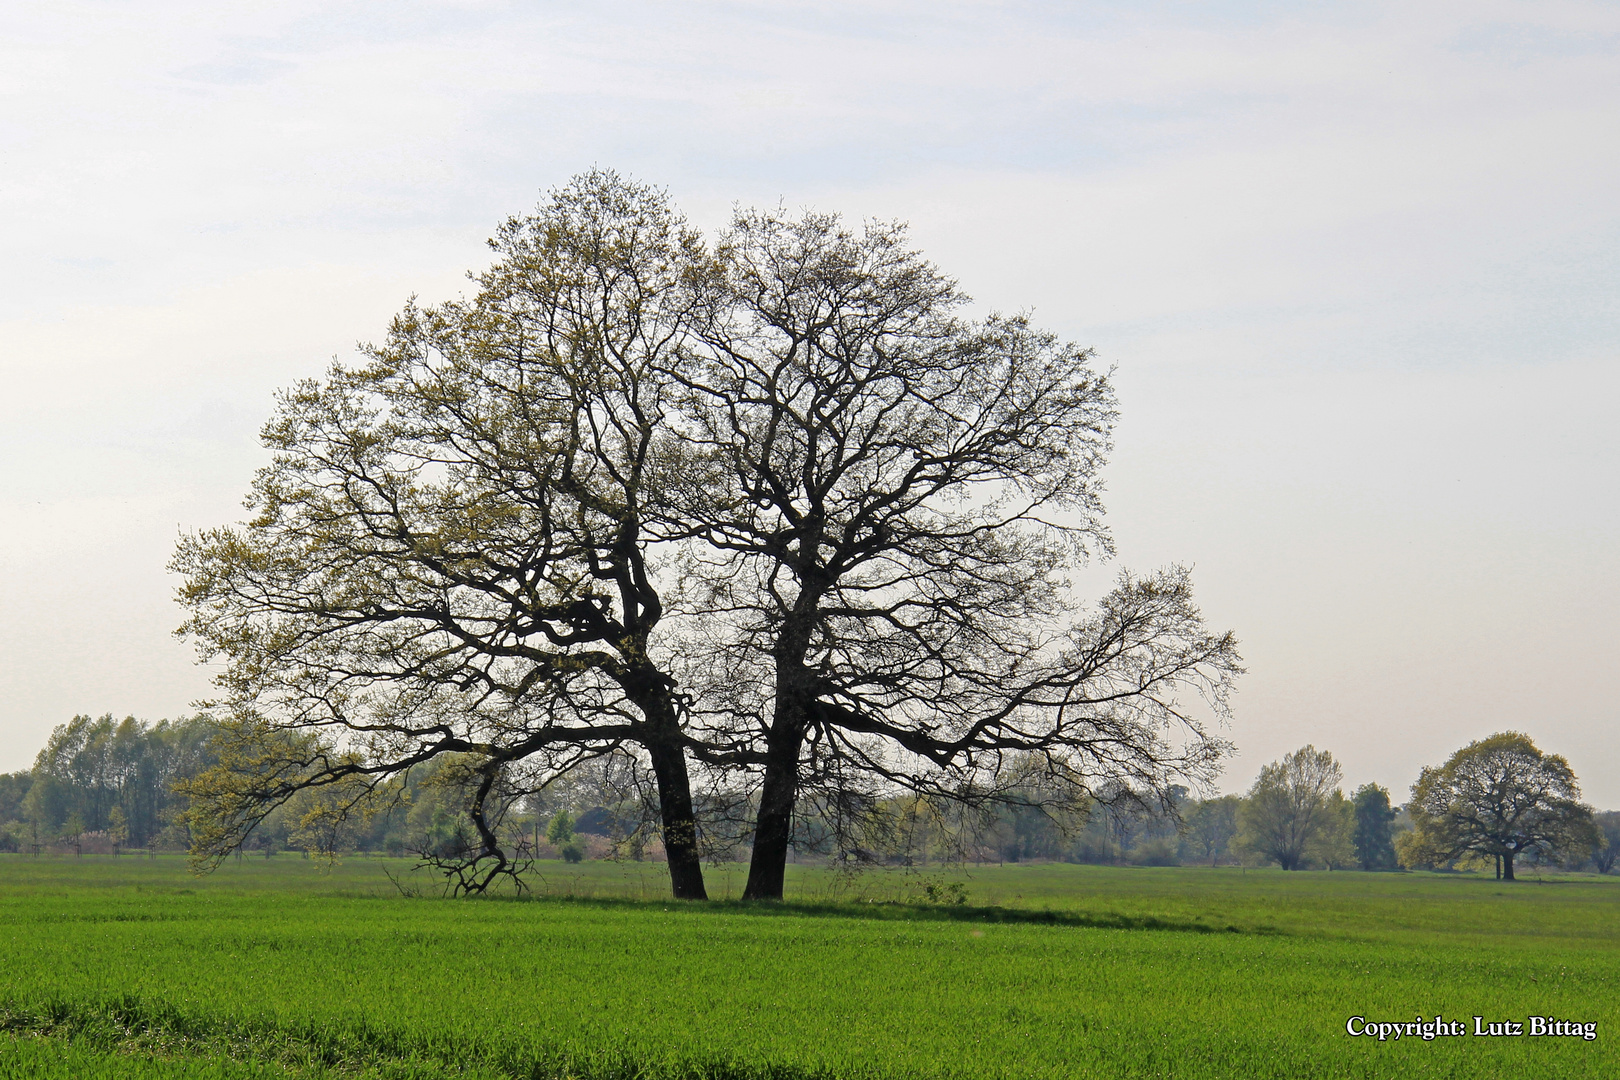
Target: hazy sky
[(1358, 266)]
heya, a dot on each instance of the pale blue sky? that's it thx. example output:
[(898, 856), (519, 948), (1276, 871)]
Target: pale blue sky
[(1356, 263)]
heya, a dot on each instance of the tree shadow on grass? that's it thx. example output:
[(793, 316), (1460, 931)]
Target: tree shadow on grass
[(899, 911)]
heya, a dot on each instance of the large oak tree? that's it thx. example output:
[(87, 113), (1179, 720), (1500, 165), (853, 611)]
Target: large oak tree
[(891, 498), (447, 553), (780, 506)]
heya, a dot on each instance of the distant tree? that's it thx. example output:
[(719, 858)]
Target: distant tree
[(73, 832), (13, 790), (1336, 849), (1500, 798), (1608, 852), (1295, 810), (1211, 825), (560, 834), (1374, 835), (117, 828), (561, 829)]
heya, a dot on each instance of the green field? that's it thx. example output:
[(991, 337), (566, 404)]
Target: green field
[(131, 967)]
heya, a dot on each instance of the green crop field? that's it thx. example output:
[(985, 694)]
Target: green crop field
[(285, 967)]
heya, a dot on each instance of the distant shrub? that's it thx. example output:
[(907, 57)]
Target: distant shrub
[(1159, 851), (950, 893)]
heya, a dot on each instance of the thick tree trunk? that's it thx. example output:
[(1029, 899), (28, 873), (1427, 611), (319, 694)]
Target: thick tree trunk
[(680, 822), (1507, 867), (795, 698), (773, 831), (773, 827), (674, 801)]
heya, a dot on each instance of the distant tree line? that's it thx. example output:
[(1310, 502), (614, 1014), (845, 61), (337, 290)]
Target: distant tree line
[(105, 786), (1496, 804), (106, 783)]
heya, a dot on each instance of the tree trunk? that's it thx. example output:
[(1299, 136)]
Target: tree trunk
[(773, 826), (790, 718), (1507, 867), (773, 829), (680, 821), (675, 810)]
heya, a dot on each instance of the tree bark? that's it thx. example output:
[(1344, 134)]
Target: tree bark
[(680, 821), (675, 808), (773, 826), (1507, 867)]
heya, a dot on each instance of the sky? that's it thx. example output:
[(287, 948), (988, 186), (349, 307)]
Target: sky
[(1355, 266)]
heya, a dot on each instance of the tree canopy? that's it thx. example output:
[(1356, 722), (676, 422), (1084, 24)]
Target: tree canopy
[(890, 498), (1295, 810), (774, 509), (447, 555), (1500, 797)]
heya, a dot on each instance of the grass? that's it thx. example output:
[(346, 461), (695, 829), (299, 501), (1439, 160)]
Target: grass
[(281, 967)]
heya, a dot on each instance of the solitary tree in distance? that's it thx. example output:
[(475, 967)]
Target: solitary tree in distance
[(1500, 797), (561, 829)]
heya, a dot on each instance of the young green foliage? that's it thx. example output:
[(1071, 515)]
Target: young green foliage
[(1499, 797)]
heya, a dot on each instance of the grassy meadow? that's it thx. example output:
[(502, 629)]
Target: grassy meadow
[(287, 967)]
